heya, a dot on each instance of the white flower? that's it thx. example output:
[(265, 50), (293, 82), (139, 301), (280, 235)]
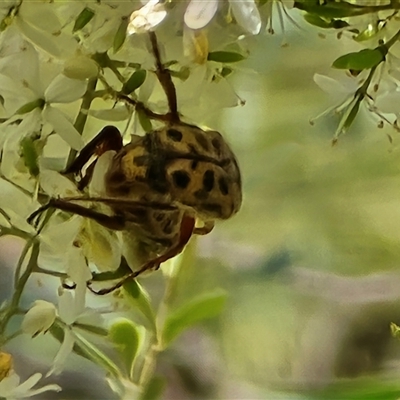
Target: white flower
[(72, 307), (198, 14), (11, 388), (27, 85), (39, 318), (147, 17)]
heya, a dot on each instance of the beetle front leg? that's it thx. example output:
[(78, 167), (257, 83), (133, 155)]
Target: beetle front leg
[(165, 79), (109, 138)]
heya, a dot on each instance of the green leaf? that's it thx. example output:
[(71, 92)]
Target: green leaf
[(225, 56), (316, 20), (371, 31), (125, 336), (30, 155), (28, 107), (332, 10), (139, 298), (352, 115), (120, 36), (134, 82), (83, 19), (182, 74), (364, 59), (203, 307), (366, 388), (154, 389), (144, 121), (226, 71)]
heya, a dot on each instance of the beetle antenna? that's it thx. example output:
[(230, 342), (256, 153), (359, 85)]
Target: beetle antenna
[(165, 79)]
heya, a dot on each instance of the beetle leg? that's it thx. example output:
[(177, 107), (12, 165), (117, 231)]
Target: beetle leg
[(115, 222), (187, 227), (165, 79), (109, 138)]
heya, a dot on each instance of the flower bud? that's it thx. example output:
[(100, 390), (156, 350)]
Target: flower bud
[(39, 318)]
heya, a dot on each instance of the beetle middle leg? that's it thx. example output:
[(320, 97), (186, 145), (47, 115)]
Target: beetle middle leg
[(115, 222)]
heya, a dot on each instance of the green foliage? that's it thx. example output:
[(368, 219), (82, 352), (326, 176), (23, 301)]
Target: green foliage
[(126, 338), (203, 307), (28, 107), (134, 82), (364, 59), (332, 9), (145, 121), (225, 56), (30, 155), (362, 389), (85, 349), (139, 298), (120, 36), (83, 19)]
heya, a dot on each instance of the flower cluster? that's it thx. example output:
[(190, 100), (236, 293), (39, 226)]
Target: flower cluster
[(66, 70)]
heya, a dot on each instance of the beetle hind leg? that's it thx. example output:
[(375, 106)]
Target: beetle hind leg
[(186, 231)]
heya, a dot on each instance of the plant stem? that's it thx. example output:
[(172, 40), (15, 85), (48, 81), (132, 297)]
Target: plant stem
[(83, 114), (20, 285)]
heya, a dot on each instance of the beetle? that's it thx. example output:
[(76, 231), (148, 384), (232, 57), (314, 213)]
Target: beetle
[(157, 186)]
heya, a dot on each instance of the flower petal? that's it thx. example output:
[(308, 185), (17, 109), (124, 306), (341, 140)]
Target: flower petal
[(63, 353), (54, 184), (119, 113), (25, 386), (41, 39), (199, 13), (65, 90), (63, 127), (53, 387), (332, 86), (146, 17), (389, 103), (247, 15)]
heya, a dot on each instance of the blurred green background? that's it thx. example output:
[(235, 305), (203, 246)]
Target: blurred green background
[(310, 262)]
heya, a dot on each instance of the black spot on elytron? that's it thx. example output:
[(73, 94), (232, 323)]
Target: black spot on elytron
[(201, 194), (202, 141), (174, 134), (216, 209), (208, 180), (223, 186), (155, 176), (140, 160), (217, 145), (194, 165), (181, 179)]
